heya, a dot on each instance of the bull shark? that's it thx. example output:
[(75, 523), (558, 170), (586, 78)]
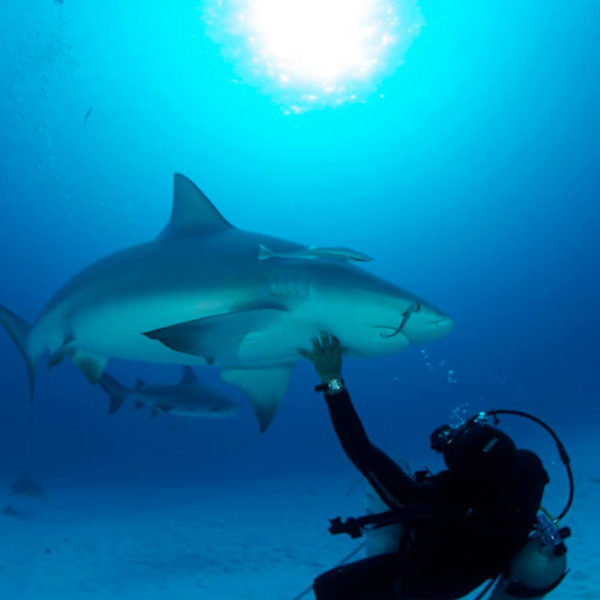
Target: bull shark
[(202, 293), (189, 397)]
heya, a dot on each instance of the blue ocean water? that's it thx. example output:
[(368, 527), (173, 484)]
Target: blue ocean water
[(469, 171)]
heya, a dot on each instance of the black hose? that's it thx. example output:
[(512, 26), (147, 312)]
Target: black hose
[(562, 452)]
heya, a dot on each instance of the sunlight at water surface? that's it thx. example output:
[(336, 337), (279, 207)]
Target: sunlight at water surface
[(314, 53)]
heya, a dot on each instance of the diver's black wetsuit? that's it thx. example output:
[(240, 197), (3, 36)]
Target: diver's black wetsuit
[(441, 558)]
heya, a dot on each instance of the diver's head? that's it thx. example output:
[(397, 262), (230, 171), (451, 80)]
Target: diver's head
[(472, 447)]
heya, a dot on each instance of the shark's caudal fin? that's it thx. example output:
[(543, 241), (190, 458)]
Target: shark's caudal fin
[(18, 329), (116, 392)]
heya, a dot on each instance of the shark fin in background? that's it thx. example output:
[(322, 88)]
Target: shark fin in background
[(264, 387), (211, 336), (18, 329), (91, 365), (192, 211), (116, 392), (139, 383), (187, 375)]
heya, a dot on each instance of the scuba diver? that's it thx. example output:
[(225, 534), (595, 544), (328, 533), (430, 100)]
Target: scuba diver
[(473, 522)]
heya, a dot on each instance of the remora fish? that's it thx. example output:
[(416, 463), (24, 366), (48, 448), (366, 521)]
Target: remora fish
[(188, 397), (199, 294), (265, 253)]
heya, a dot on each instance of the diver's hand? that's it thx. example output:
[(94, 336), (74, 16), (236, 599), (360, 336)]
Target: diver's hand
[(326, 355)]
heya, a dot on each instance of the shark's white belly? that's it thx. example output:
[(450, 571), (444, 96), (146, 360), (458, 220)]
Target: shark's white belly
[(117, 330)]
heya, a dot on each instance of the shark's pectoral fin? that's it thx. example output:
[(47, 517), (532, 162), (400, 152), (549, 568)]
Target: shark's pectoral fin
[(264, 387), (212, 336), (92, 365)]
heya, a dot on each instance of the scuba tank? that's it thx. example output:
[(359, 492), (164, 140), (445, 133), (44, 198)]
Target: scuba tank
[(539, 566)]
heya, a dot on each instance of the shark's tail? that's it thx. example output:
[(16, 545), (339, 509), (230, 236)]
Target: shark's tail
[(18, 329), (115, 390)]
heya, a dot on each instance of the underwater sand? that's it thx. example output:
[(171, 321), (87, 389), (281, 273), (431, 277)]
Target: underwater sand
[(248, 542)]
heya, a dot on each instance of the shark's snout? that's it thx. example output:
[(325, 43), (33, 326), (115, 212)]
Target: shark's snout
[(441, 326), (423, 323)]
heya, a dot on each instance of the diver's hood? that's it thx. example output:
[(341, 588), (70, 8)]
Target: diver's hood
[(477, 449)]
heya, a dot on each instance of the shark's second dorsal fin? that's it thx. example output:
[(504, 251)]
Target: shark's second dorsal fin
[(192, 211), (188, 375)]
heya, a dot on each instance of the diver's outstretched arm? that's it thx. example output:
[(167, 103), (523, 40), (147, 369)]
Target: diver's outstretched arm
[(393, 485)]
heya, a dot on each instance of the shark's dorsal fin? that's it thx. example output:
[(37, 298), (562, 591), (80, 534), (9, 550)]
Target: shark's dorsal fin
[(188, 375), (192, 211)]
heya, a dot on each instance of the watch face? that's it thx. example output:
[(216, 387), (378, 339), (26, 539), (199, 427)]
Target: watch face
[(335, 385)]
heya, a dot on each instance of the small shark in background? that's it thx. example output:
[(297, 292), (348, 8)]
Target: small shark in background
[(188, 397), (25, 486), (207, 293)]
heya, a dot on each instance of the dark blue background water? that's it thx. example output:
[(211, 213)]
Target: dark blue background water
[(473, 182)]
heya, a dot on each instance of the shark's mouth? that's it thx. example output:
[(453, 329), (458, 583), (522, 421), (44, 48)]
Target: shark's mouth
[(413, 308)]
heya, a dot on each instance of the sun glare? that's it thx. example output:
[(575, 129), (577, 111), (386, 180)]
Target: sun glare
[(316, 41), (315, 52)]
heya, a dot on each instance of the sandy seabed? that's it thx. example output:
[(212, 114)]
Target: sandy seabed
[(248, 542)]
